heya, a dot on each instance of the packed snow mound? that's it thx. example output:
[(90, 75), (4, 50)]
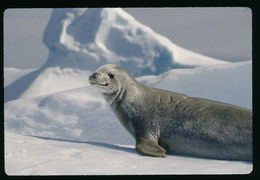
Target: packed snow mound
[(89, 38), (54, 79), (78, 114)]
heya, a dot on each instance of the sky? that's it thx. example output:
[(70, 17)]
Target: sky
[(223, 33)]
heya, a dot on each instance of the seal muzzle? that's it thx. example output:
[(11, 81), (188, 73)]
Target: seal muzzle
[(94, 76)]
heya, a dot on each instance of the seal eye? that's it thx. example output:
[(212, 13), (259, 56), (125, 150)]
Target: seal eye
[(110, 75)]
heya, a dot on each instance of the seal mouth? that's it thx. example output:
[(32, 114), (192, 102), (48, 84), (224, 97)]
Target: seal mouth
[(100, 84), (106, 84)]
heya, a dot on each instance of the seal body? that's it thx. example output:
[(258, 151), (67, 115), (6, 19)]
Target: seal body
[(162, 121)]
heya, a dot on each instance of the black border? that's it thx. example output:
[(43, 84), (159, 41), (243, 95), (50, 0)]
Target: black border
[(121, 3), (5, 4)]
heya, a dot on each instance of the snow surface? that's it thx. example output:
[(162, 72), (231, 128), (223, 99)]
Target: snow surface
[(56, 123), (25, 155)]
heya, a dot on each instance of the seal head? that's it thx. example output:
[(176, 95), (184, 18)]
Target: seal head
[(105, 80), (113, 81)]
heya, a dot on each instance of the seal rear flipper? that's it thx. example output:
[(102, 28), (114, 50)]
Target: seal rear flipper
[(148, 147)]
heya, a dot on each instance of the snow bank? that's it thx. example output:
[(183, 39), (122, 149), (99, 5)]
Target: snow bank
[(12, 74), (230, 83), (54, 79)]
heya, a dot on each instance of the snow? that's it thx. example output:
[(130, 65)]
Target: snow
[(12, 74), (50, 156), (74, 114), (231, 83), (57, 124), (55, 79)]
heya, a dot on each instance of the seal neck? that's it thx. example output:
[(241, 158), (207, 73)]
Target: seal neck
[(130, 91), (111, 98)]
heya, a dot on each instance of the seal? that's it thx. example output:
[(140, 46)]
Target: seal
[(162, 121)]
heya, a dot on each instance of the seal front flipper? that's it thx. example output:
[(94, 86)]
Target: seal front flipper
[(148, 147)]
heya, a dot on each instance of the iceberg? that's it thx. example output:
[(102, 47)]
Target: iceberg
[(89, 38), (82, 39)]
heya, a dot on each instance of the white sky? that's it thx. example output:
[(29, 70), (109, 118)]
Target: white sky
[(224, 33)]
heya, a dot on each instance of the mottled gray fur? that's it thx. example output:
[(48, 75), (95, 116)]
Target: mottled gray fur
[(163, 121)]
